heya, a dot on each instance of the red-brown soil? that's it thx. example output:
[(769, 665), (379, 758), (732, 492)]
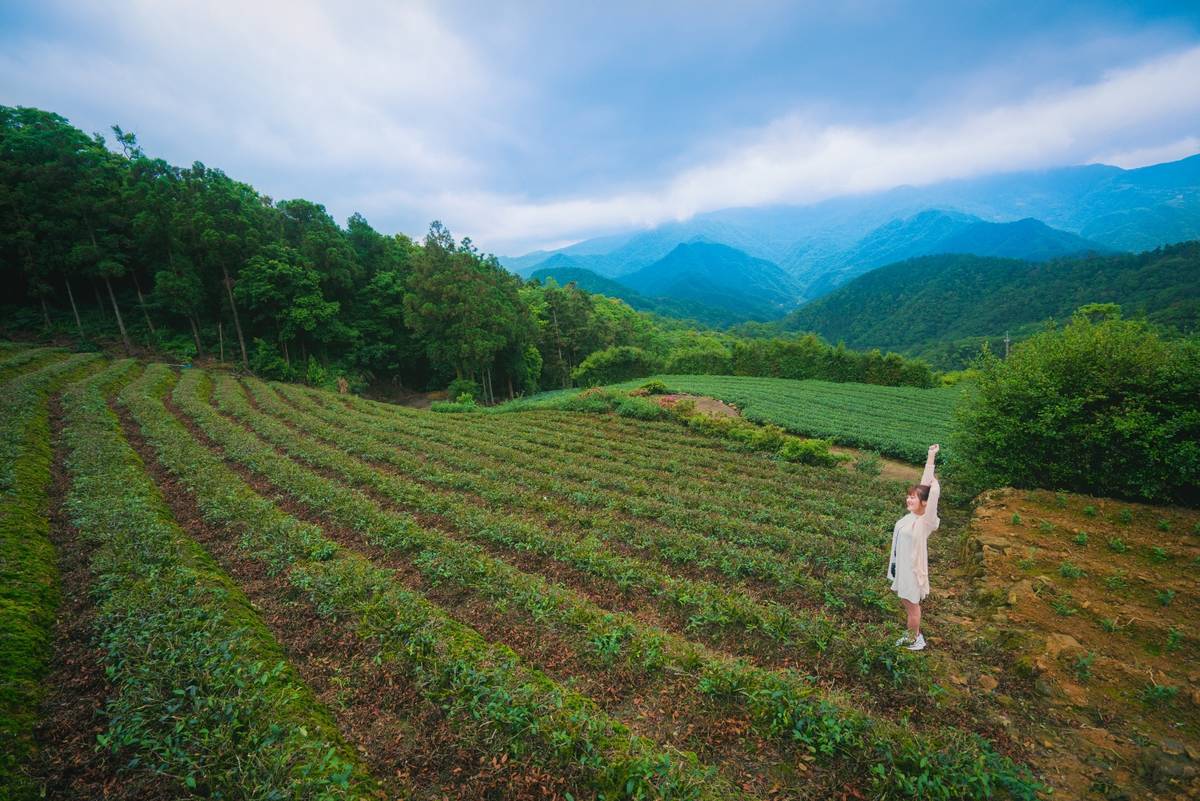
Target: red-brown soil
[(1104, 626)]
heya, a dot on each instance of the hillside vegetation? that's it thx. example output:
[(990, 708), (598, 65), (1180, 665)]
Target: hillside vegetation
[(924, 306)]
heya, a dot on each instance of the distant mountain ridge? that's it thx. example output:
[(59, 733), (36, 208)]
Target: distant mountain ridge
[(718, 275), (942, 307), (823, 244), (561, 269), (936, 231), (706, 280)]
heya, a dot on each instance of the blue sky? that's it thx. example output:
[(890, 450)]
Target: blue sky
[(531, 124)]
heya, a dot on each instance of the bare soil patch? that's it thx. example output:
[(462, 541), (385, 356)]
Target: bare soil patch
[(1097, 602), (704, 405)]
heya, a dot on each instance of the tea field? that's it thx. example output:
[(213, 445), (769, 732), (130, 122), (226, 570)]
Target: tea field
[(229, 588), (895, 421)]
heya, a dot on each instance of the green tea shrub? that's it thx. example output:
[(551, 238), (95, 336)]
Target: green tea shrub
[(807, 451), (1101, 407), (640, 409), (653, 387), (596, 399)]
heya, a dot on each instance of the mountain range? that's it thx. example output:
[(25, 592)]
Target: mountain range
[(1032, 215), (942, 307)]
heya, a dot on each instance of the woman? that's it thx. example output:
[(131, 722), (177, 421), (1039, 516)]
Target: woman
[(909, 566)]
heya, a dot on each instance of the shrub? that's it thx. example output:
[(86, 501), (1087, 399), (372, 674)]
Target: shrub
[(463, 386), (807, 451), (267, 362), (869, 464), (465, 403), (640, 409), (704, 356), (611, 365), (1104, 408), (654, 387), (596, 399)]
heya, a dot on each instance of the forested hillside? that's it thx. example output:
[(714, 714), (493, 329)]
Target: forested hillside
[(942, 307), (106, 244)]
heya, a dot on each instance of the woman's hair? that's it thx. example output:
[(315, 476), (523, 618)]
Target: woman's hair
[(921, 491)]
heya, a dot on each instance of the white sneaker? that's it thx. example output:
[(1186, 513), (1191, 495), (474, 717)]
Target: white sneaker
[(918, 644)]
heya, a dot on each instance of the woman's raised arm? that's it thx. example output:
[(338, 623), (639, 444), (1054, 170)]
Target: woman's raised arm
[(935, 489)]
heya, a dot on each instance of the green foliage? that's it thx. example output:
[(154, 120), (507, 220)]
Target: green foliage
[(654, 387), (28, 562), (596, 400), (1069, 570), (808, 357), (464, 405), (1158, 695), (463, 386), (1165, 597), (807, 451), (1106, 408), (640, 409), (977, 299), (615, 364), (1083, 667), (1081, 538), (869, 464), (267, 361), (199, 690), (895, 421), (1117, 545), (700, 355)]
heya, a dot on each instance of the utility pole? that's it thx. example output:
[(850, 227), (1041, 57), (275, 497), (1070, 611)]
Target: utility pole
[(1006, 341)]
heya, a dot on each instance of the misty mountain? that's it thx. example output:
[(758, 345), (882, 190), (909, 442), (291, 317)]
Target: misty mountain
[(936, 231), (720, 276), (1119, 209), (561, 268)]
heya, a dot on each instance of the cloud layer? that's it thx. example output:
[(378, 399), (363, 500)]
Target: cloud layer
[(536, 126)]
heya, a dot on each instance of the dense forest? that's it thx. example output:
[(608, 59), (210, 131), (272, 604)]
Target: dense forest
[(103, 243)]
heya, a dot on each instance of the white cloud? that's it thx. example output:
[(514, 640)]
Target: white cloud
[(1152, 154), (799, 160), (306, 85)]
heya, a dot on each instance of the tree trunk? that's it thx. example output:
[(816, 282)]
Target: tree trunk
[(510, 387), (196, 335), (221, 340), (237, 322), (142, 303), (120, 322), (100, 302), (286, 358), (45, 312), (74, 308)]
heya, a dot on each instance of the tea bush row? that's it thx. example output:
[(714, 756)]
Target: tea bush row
[(200, 690)]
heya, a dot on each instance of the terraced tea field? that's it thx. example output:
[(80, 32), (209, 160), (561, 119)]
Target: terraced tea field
[(895, 421), (317, 596)]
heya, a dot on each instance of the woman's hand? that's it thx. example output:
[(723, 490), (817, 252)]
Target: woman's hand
[(933, 451)]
